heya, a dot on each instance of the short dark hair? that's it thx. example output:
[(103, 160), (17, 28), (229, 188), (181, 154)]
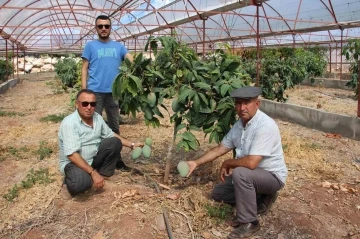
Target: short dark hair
[(103, 17), (87, 91)]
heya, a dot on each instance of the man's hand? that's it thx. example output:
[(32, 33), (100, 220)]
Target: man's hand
[(224, 171), (138, 145), (192, 167), (98, 180)]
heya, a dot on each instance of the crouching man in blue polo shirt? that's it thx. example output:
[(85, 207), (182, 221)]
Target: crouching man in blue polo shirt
[(252, 180), (89, 149)]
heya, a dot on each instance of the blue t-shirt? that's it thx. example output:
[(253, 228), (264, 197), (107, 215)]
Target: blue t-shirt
[(104, 61)]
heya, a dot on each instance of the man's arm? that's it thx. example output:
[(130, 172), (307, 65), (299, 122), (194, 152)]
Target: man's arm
[(129, 57), (76, 159), (209, 156), (84, 73), (127, 142)]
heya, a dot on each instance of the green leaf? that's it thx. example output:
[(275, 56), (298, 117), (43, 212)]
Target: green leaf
[(180, 127), (202, 85), (224, 89), (193, 127), (188, 136), (184, 94), (196, 102), (193, 144), (203, 97)]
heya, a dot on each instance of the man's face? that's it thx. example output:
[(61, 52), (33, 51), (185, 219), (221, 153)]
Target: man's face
[(246, 108), (103, 28), (85, 105)]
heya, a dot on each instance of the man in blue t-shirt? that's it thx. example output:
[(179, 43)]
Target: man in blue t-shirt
[(101, 61)]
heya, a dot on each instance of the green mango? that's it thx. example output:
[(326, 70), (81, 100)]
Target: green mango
[(148, 113), (183, 168), (146, 151), (175, 105), (148, 141), (136, 153), (151, 97)]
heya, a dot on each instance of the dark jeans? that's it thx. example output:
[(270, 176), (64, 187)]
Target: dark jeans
[(242, 188), (78, 180), (105, 100)]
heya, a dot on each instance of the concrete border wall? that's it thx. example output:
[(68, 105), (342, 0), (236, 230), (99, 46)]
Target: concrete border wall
[(8, 84), (328, 83), (344, 125)]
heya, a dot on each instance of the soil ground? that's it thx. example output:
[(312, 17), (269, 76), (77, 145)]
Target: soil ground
[(320, 199)]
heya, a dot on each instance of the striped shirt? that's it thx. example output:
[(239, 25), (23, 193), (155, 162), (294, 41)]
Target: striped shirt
[(76, 136), (260, 136)]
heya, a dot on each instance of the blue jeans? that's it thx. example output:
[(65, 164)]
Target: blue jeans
[(105, 100)]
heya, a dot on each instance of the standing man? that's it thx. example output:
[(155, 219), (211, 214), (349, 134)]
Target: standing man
[(89, 149), (101, 61), (259, 168)]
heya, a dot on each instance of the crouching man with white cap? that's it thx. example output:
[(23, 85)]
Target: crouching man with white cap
[(252, 180)]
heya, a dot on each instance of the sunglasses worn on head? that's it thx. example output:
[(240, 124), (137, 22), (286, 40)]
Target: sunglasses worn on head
[(86, 104), (107, 26)]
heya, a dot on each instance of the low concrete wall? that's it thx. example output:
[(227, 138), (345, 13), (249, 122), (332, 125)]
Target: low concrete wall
[(39, 75), (328, 83), (8, 84), (344, 125)]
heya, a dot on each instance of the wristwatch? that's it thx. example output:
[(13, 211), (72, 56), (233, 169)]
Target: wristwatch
[(132, 145)]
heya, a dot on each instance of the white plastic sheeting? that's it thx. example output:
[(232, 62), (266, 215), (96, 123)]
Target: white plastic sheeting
[(66, 26)]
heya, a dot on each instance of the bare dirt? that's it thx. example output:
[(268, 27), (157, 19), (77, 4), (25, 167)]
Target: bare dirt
[(320, 199)]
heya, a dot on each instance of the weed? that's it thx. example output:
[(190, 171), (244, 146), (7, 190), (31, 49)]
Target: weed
[(53, 118), (312, 146), (12, 193), (41, 176), (9, 152), (222, 211), (44, 150), (10, 113)]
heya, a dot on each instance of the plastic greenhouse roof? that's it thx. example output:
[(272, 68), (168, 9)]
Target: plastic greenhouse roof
[(65, 26)]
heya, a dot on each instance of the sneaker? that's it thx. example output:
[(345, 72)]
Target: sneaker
[(233, 222), (244, 230), (264, 205), (120, 165)]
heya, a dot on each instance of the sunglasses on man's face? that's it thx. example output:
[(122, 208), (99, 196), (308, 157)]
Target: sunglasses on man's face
[(86, 104), (101, 26)]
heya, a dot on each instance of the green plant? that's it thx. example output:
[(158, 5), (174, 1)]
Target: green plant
[(201, 89), (5, 71), (282, 68), (221, 211), (53, 118), (10, 113), (66, 69), (41, 176), (44, 150), (352, 52)]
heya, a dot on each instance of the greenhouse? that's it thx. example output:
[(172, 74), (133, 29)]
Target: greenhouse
[(232, 118)]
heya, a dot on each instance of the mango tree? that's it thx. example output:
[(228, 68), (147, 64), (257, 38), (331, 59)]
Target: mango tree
[(199, 91)]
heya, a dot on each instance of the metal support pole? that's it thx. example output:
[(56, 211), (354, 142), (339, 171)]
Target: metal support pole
[(203, 43), (341, 48), (17, 61), (12, 60), (358, 91), (135, 45), (330, 59), (24, 61), (257, 46), (6, 60)]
